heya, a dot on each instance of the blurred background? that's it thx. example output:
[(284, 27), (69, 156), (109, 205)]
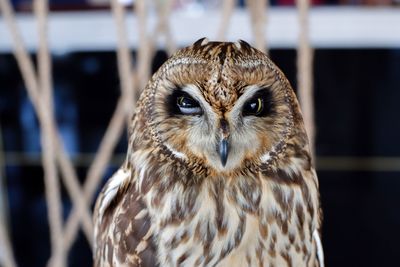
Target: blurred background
[(356, 80)]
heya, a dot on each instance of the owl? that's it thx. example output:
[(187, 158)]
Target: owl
[(218, 170)]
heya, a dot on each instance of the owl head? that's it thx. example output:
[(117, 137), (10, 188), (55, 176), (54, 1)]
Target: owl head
[(220, 106)]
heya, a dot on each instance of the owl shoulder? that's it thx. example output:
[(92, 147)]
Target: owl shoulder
[(122, 225)]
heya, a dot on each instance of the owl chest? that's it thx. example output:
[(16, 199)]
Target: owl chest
[(201, 242), (223, 234)]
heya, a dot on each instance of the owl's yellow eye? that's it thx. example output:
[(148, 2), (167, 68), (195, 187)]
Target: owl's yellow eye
[(188, 106), (180, 102), (253, 107), (185, 102)]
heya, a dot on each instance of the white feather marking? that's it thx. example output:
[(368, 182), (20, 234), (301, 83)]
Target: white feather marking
[(177, 154), (149, 233), (141, 214), (264, 158), (237, 44), (111, 189), (204, 42), (142, 173), (320, 251), (250, 63), (141, 246), (184, 60)]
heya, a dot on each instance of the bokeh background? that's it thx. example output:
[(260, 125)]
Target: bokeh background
[(356, 81)]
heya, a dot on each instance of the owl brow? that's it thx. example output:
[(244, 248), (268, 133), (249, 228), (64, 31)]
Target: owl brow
[(184, 61), (259, 91), (250, 63), (241, 89), (265, 92)]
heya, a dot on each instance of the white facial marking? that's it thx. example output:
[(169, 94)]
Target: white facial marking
[(177, 154)]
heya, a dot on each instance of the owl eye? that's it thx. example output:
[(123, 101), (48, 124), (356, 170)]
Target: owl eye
[(253, 107), (188, 106), (182, 103), (259, 105)]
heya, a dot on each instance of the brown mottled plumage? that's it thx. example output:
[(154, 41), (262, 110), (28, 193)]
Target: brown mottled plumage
[(218, 170)]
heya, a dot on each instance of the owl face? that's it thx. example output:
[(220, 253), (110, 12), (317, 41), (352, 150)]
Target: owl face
[(219, 105)]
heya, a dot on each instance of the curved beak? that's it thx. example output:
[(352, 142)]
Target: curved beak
[(223, 147), (223, 151)]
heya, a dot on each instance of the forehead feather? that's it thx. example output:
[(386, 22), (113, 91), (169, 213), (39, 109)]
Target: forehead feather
[(221, 70)]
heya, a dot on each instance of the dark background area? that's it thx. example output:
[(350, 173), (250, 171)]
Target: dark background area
[(357, 107)]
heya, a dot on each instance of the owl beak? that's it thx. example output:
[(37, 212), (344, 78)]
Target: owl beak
[(223, 148), (223, 151)]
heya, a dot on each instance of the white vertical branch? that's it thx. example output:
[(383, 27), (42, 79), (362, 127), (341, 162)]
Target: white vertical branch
[(258, 14), (145, 49), (124, 58), (227, 11), (164, 9), (305, 71), (52, 186)]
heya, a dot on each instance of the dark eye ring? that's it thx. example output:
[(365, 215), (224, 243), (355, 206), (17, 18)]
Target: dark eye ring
[(254, 106), (188, 106)]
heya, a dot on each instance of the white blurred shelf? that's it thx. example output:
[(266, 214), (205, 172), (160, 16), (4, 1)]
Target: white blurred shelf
[(330, 27)]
